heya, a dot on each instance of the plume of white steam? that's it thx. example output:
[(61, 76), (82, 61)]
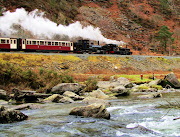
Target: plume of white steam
[(40, 26)]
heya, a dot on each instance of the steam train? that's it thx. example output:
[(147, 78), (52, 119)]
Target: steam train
[(81, 46)]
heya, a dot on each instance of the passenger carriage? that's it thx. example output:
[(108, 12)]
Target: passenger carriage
[(9, 44), (46, 45), (19, 44)]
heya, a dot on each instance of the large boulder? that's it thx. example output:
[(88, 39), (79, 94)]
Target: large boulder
[(107, 84), (99, 94), (120, 88), (72, 95), (123, 81), (93, 110), (25, 96), (114, 83), (9, 116), (3, 95), (120, 91), (61, 88), (172, 80)]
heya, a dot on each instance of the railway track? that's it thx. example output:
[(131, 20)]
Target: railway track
[(85, 56)]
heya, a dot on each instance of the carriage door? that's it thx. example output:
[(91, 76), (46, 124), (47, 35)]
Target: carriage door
[(13, 44), (23, 44)]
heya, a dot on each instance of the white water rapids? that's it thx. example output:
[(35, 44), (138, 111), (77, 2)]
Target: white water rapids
[(130, 117)]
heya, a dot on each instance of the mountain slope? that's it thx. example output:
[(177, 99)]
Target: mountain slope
[(135, 22)]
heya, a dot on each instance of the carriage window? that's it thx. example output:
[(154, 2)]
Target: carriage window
[(37, 42), (14, 41), (45, 43), (60, 44), (30, 42), (3, 41), (11, 42), (41, 42), (34, 42), (71, 44), (49, 43), (7, 41), (56, 43), (23, 41), (52, 43), (63, 44)]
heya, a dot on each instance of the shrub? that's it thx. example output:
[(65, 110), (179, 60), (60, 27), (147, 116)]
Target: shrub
[(41, 71), (66, 78), (91, 84)]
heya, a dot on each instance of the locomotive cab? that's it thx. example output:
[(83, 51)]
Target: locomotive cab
[(82, 46)]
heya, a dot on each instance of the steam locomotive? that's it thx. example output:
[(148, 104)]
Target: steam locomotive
[(81, 46)]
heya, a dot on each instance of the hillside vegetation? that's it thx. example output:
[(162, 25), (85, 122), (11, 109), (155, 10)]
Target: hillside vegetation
[(135, 22), (42, 72)]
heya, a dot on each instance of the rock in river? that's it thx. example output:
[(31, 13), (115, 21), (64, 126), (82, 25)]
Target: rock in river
[(73, 96), (9, 116), (173, 81), (93, 110), (3, 95), (61, 88)]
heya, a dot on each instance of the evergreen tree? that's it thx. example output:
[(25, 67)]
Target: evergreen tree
[(164, 36)]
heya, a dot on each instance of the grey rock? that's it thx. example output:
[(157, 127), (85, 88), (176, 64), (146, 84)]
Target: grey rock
[(3, 95), (93, 110), (173, 81), (66, 100), (53, 98), (154, 82), (99, 94), (9, 116), (130, 85), (107, 84), (121, 91), (61, 88), (72, 95), (123, 81)]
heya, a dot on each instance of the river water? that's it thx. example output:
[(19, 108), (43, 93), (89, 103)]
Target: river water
[(130, 117)]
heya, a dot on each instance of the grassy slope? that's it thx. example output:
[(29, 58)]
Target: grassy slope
[(103, 66)]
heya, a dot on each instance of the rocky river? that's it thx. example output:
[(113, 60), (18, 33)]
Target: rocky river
[(130, 117)]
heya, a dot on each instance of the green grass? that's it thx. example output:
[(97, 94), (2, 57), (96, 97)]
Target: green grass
[(136, 78)]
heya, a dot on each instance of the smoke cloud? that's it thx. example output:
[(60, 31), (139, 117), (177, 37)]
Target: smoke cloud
[(42, 27)]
